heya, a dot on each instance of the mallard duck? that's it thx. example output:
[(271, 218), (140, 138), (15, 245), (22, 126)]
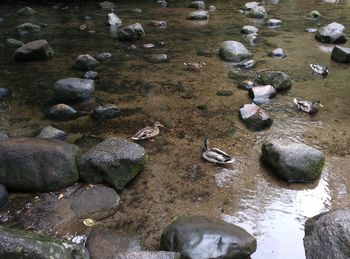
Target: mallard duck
[(194, 66), (148, 132), (320, 70), (307, 106), (215, 155)]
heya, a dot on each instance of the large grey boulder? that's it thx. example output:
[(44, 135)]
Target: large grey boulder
[(234, 51), (257, 12), (27, 245), (198, 15), (104, 243), (279, 80), (293, 162), (131, 32), (73, 89), (4, 197), (34, 50), (198, 237), (37, 165), (85, 62), (26, 28), (327, 235), (262, 93), (26, 11), (114, 161), (332, 33), (341, 54), (113, 19), (255, 117), (97, 203)]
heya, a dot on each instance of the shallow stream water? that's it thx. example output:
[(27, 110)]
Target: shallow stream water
[(177, 180)]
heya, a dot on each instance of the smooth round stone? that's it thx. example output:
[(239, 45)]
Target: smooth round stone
[(4, 197), (341, 54), (198, 15), (248, 29), (62, 112), (90, 75), (51, 133), (234, 51), (113, 19), (277, 53), (26, 11), (274, 22), (106, 111), (73, 89), (104, 57), (157, 58), (85, 62)]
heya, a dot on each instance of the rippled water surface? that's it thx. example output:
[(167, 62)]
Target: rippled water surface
[(176, 179)]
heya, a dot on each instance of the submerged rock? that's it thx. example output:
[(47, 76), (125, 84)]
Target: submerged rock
[(26, 11), (277, 53), (157, 58), (26, 28), (198, 15), (262, 93), (224, 93), (33, 51), (279, 80), (37, 165), (341, 54), (248, 29), (73, 89), (104, 243), (106, 111), (203, 237), (332, 33), (4, 198), (197, 4), (52, 133), (114, 161), (131, 32), (96, 203), (255, 117), (62, 112), (107, 5), (234, 51), (327, 235), (293, 162), (25, 244), (85, 62), (113, 19), (104, 57), (257, 12), (14, 43)]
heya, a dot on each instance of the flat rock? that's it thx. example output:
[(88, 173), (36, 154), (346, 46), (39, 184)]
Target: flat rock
[(33, 51), (62, 111), (257, 12), (96, 203), (51, 133), (234, 51), (262, 93), (85, 62), (196, 237), (248, 29), (198, 15), (197, 4), (37, 165), (332, 33), (113, 19), (327, 235), (4, 197), (279, 80), (106, 243), (156, 58), (25, 244), (293, 162), (255, 117), (73, 89), (26, 11), (26, 28), (114, 161), (106, 111), (131, 32), (341, 54)]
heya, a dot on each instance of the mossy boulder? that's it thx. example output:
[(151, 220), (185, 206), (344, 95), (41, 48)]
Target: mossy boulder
[(114, 161), (293, 162), (278, 79), (37, 165), (28, 245), (197, 237)]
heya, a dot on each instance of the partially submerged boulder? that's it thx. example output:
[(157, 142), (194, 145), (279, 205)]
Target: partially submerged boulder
[(198, 15), (332, 33), (62, 112), (37, 165), (293, 162), (262, 93), (278, 79), (203, 237), (234, 51), (114, 161), (85, 62), (255, 117), (131, 32), (33, 51), (341, 54), (327, 235), (73, 89)]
